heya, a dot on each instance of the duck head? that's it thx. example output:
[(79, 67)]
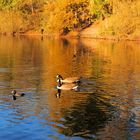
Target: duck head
[(58, 76), (13, 92)]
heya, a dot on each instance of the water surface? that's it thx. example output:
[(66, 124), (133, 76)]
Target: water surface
[(107, 107)]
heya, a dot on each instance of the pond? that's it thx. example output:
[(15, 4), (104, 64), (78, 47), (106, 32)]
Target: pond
[(107, 106)]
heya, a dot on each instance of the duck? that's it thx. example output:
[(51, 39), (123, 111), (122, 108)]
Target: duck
[(68, 80), (70, 86), (15, 94)]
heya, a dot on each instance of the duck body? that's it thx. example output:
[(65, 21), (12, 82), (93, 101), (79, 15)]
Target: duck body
[(68, 80), (70, 86)]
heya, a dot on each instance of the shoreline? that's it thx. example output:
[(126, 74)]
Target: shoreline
[(75, 35)]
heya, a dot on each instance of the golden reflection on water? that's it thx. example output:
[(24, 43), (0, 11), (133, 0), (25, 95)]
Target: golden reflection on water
[(31, 64), (122, 72)]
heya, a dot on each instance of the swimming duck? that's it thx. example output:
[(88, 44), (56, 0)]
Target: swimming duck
[(15, 94), (70, 86), (68, 80)]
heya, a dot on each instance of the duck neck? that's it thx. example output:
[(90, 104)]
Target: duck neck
[(14, 97), (59, 83), (60, 77)]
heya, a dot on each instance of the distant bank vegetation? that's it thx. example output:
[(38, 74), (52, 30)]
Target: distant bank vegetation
[(63, 16)]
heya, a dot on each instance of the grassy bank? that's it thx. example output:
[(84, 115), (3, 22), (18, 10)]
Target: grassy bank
[(124, 21), (85, 18)]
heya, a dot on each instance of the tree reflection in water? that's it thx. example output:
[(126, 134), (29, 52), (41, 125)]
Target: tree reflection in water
[(84, 119)]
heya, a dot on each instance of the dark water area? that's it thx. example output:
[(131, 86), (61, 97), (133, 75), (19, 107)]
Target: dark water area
[(107, 106)]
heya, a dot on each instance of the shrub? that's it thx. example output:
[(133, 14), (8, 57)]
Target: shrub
[(66, 15), (125, 19), (10, 22)]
